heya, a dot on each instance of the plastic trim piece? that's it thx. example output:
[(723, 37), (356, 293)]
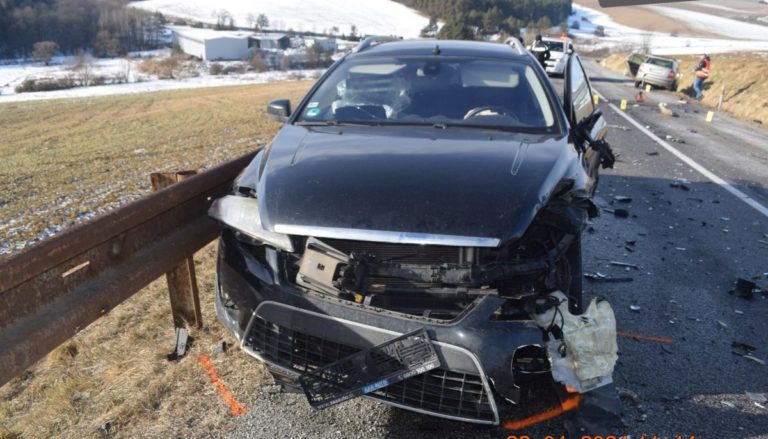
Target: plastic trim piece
[(387, 236)]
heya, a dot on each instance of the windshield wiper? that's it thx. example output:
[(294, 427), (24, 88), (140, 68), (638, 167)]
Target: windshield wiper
[(326, 123)]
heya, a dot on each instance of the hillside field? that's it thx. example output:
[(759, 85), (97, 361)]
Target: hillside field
[(67, 159)]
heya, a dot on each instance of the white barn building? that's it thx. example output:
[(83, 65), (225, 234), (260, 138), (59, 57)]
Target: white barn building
[(211, 45)]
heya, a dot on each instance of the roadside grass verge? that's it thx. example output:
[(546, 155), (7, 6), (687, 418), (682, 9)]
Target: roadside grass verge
[(113, 378)]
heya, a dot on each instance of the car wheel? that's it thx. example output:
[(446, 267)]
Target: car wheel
[(637, 84)]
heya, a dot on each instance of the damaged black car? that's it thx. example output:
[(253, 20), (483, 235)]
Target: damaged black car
[(412, 234)]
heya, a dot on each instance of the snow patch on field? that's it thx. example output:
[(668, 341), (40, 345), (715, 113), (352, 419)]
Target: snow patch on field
[(12, 75), (161, 85), (371, 17), (620, 37), (714, 23)]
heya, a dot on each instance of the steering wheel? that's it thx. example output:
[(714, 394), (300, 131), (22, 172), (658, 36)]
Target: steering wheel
[(477, 111)]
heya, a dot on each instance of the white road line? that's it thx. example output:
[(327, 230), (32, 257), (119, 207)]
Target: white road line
[(689, 161)]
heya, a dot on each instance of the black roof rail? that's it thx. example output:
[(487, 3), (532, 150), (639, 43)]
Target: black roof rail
[(375, 40)]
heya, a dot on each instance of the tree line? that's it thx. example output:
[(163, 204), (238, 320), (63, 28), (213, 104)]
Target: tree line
[(106, 27), (471, 19)]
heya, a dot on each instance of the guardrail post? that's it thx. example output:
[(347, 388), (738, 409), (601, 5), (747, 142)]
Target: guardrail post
[(182, 284)]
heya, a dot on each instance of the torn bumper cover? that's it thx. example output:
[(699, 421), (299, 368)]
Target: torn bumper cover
[(300, 324)]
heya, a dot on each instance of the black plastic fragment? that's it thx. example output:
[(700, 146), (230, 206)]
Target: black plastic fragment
[(369, 370)]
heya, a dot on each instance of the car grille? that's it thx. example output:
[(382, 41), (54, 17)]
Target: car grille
[(439, 391)]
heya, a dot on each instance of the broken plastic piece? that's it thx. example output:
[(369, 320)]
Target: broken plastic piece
[(745, 289), (602, 278), (371, 369), (585, 356), (618, 213), (182, 341), (624, 264)]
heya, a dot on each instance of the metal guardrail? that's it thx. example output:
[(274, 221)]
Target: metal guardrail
[(50, 291)]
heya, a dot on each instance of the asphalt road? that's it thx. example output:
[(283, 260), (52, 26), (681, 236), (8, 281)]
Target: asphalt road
[(691, 242)]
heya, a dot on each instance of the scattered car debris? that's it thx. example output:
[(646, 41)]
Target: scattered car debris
[(681, 184), (745, 289), (618, 213), (635, 308), (738, 311), (721, 324), (755, 359), (620, 127), (666, 111), (652, 153), (624, 264), (628, 395), (745, 346), (183, 340), (603, 278), (755, 397), (631, 242), (622, 199)]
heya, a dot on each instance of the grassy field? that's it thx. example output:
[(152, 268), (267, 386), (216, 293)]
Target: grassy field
[(746, 92), (62, 161)]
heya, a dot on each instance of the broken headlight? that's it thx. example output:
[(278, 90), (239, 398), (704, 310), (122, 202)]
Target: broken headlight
[(242, 214)]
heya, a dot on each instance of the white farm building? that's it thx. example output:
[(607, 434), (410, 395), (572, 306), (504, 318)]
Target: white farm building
[(211, 45)]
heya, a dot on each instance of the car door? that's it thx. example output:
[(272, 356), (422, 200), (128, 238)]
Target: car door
[(588, 127)]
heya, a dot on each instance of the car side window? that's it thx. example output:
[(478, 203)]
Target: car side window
[(581, 92)]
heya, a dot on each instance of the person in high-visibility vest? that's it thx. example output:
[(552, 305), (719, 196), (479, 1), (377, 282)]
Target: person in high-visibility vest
[(540, 50), (702, 73)]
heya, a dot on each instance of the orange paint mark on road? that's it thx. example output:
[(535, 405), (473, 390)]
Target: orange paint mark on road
[(234, 407), (569, 404), (645, 337)]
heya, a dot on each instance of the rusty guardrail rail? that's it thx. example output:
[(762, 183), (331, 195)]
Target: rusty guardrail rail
[(50, 291)]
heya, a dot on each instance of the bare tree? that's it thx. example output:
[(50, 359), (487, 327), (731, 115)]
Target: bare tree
[(82, 66), (262, 22), (44, 50)]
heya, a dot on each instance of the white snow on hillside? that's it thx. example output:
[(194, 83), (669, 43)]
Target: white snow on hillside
[(12, 75), (371, 17), (715, 24), (619, 37)]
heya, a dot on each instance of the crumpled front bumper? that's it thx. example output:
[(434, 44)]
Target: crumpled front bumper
[(293, 331)]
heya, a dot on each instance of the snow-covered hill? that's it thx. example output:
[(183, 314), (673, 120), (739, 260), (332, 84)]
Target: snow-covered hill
[(371, 17)]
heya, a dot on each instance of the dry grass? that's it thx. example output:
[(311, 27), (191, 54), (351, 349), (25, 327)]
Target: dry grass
[(62, 161), (746, 92), (112, 379)]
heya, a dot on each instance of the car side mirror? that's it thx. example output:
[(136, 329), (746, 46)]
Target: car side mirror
[(569, 51), (279, 110)]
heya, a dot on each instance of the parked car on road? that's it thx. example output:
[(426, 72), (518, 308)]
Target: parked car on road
[(659, 72), (560, 49), (433, 186)]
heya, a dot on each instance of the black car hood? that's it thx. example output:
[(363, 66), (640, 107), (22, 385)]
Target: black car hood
[(454, 181)]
